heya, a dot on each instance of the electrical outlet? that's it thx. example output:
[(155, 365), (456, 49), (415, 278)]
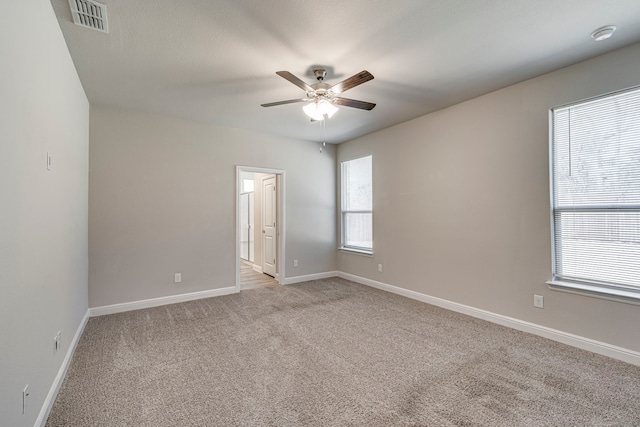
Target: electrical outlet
[(538, 301), (25, 399), (295, 263), (380, 268), (178, 278)]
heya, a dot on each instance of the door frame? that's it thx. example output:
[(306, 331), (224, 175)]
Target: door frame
[(281, 219)]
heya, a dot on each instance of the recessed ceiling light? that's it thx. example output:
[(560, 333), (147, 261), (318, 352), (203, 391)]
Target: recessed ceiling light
[(603, 33)]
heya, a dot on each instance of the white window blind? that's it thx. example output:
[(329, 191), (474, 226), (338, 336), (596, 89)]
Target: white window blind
[(595, 174), (357, 205)]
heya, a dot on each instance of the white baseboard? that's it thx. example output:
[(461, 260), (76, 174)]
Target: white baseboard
[(172, 299), (257, 268), (615, 352), (57, 382), (308, 277), (155, 302)]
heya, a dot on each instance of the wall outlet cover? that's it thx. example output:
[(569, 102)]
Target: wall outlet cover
[(538, 301)]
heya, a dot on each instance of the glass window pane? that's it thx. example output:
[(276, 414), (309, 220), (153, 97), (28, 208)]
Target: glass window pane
[(598, 246), (358, 227), (357, 185), (597, 153), (247, 185)]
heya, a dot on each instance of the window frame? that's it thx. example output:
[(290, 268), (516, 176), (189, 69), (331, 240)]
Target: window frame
[(609, 291), (343, 212)]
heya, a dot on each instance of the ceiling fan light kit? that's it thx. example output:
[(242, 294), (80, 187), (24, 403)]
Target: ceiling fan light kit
[(323, 97), (318, 109)]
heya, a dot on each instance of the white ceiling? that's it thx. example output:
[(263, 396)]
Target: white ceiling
[(215, 61)]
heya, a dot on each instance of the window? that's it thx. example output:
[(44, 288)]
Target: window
[(595, 186), (357, 205), (247, 185)]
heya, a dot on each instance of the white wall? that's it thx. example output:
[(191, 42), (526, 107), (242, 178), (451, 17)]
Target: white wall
[(461, 203), (162, 201), (43, 214)]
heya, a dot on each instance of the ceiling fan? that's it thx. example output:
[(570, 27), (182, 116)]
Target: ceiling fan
[(321, 96)]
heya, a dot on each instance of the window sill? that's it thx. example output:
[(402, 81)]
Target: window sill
[(356, 251), (618, 295)]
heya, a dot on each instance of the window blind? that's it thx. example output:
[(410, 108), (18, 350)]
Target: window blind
[(595, 174)]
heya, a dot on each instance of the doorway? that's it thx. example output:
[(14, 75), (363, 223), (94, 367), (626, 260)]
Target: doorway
[(260, 226)]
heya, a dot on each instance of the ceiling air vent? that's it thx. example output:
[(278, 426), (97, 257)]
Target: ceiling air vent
[(90, 14)]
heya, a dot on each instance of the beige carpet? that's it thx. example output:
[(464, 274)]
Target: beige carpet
[(332, 353)]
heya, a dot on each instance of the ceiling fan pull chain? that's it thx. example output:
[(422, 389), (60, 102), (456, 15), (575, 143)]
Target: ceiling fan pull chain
[(324, 141)]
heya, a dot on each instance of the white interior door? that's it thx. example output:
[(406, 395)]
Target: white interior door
[(269, 231)]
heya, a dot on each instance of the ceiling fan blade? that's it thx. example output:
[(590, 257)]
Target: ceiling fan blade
[(288, 101), (353, 81), (346, 102), (296, 81)]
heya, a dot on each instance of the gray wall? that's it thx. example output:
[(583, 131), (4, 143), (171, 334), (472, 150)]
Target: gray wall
[(162, 201), (461, 203), (43, 214)]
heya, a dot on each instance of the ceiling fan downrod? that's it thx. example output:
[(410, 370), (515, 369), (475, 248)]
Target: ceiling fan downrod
[(320, 74)]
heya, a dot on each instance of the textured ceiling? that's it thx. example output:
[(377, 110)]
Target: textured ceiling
[(215, 61)]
